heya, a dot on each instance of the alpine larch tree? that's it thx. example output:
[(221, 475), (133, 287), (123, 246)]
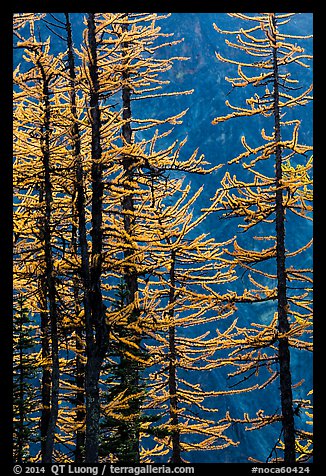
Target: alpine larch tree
[(182, 290), (37, 147), (24, 391), (142, 169), (273, 190), (118, 68)]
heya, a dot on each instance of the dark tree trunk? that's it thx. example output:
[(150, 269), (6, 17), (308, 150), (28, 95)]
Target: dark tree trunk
[(130, 377), (46, 374), (79, 182), (20, 434), (282, 305), (91, 276), (79, 214), (80, 366), (93, 369), (176, 444), (49, 272), (45, 343), (98, 317), (95, 349), (176, 448), (80, 398)]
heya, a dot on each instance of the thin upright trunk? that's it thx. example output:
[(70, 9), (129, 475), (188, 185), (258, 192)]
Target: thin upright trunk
[(79, 213), (97, 182), (20, 437), (176, 449), (80, 366), (95, 349), (92, 297), (80, 398), (173, 399), (282, 303), (49, 273), (45, 343), (79, 182), (130, 379), (93, 368), (46, 372)]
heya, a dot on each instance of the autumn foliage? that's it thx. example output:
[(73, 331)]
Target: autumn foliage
[(115, 278)]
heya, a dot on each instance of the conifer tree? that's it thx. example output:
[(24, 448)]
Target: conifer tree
[(39, 78), (39, 185), (95, 347), (271, 199), (181, 288), (135, 76), (112, 165), (78, 238), (24, 391)]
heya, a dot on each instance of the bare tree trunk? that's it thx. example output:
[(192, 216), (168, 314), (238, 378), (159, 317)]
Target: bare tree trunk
[(176, 449), (130, 379), (20, 435), (49, 272), (95, 349), (91, 275), (80, 398), (80, 366), (80, 213), (93, 369), (46, 372), (282, 307)]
